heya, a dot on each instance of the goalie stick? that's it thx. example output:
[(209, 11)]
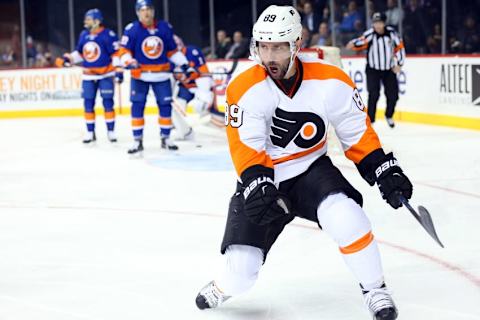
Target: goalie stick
[(423, 217)]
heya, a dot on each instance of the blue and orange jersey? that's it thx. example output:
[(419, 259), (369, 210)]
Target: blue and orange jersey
[(150, 46), (195, 59), (97, 49)]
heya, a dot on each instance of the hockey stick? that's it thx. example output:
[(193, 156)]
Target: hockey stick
[(423, 217), (227, 73), (119, 97)]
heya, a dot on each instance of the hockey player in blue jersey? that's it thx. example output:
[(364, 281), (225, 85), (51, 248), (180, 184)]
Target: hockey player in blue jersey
[(147, 48), (196, 89), (97, 51)]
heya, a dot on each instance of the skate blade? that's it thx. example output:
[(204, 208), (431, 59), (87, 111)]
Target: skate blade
[(90, 144), (136, 155)]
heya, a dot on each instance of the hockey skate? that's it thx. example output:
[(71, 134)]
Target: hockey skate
[(380, 303), (89, 137), (390, 122), (168, 144), (137, 147), (111, 136), (210, 297)]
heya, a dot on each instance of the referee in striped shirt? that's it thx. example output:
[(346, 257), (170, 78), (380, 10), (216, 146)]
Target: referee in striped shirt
[(385, 57)]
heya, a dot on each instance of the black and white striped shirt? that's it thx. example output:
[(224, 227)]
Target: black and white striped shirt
[(384, 51)]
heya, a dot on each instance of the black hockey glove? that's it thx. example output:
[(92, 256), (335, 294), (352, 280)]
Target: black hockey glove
[(263, 202), (392, 181)]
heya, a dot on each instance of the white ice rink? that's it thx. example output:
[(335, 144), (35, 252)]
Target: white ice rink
[(88, 233)]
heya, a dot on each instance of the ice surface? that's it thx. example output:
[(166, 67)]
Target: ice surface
[(88, 233)]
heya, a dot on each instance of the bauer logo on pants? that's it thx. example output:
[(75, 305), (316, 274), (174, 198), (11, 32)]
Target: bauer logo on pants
[(305, 129), (476, 84)]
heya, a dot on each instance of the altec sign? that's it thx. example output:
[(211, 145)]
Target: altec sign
[(460, 83)]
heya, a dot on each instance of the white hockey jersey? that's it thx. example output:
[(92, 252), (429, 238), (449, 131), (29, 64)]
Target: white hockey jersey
[(287, 131)]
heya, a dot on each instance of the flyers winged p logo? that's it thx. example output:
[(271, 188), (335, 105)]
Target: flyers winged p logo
[(305, 129)]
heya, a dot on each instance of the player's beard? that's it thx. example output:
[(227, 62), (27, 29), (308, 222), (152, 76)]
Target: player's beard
[(88, 26), (277, 70)]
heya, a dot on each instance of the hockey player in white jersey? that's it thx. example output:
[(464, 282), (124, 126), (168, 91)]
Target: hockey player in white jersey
[(278, 112)]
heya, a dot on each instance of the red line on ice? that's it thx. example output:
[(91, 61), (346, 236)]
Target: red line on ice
[(442, 263)]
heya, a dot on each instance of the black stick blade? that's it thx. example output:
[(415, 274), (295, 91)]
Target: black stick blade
[(424, 218), (427, 223)]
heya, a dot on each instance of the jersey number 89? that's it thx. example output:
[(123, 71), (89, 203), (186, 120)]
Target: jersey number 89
[(233, 116)]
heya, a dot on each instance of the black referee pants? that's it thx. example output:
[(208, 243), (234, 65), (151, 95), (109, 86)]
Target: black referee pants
[(390, 86)]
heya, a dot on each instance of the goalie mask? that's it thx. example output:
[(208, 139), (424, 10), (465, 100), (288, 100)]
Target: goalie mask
[(277, 24)]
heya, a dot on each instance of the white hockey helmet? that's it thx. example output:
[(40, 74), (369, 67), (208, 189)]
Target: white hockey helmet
[(277, 24)]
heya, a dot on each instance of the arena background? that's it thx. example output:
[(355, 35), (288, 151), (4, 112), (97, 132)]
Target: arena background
[(439, 83)]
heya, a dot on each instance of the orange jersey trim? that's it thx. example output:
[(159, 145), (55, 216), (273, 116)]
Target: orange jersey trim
[(367, 143), (123, 51), (98, 70), (244, 81), (299, 154), (399, 47), (358, 245), (243, 156), (171, 52), (155, 67), (318, 71), (136, 73), (189, 85)]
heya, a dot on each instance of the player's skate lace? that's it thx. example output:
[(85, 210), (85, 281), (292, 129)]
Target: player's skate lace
[(210, 296), (380, 299)]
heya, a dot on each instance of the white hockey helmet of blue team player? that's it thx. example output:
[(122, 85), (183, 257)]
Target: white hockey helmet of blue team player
[(277, 24), (143, 3)]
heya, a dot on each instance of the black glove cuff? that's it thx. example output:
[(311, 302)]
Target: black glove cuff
[(256, 171), (369, 164)]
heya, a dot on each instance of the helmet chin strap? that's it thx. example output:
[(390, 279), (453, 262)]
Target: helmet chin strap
[(293, 53)]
